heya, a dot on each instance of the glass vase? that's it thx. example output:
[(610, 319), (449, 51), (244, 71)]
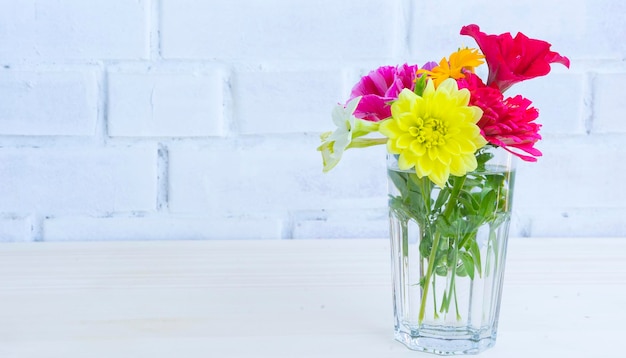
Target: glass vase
[(448, 249)]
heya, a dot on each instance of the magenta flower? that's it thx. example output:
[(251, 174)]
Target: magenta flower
[(515, 130), (508, 123), (379, 88), (514, 59)]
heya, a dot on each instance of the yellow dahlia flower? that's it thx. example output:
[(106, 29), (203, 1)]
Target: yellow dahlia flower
[(436, 133)]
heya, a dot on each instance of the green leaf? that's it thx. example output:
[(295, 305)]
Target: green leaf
[(398, 209), (468, 263), (475, 251), (469, 206), (442, 198), (472, 182), (461, 271), (422, 281), (415, 204), (445, 303), (426, 244), (441, 271), (399, 180), (487, 204), (495, 180), (451, 253), (420, 85), (415, 180), (482, 158)]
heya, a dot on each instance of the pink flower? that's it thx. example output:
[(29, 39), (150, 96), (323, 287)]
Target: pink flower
[(380, 87), (513, 60), (508, 123)]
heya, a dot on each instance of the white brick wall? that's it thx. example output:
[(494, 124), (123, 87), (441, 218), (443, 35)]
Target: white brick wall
[(90, 181), (269, 177), (609, 106), (192, 119), (48, 103), (304, 96), (57, 31), (171, 104), (277, 30), (14, 228)]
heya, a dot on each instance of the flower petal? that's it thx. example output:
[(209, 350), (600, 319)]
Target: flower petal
[(511, 60)]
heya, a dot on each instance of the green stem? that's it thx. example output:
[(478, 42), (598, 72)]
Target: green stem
[(435, 314), (429, 273), (494, 246), (426, 189), (405, 238), (456, 306), (456, 189), (452, 280), (366, 142), (466, 239)]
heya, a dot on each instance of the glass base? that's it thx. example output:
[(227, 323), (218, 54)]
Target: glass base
[(446, 341)]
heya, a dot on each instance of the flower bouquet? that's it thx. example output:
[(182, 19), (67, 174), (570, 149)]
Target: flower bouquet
[(451, 140)]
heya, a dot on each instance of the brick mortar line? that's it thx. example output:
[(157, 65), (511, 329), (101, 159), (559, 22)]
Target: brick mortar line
[(102, 120), (162, 199), (154, 18), (36, 227), (588, 102)]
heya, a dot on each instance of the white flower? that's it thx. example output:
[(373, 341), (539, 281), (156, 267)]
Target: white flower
[(348, 129)]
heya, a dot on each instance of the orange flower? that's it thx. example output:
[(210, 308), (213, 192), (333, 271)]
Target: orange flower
[(460, 61)]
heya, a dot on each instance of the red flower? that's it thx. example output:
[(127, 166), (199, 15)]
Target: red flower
[(508, 123), (513, 60)]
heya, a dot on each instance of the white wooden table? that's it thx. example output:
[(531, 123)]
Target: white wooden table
[(318, 298)]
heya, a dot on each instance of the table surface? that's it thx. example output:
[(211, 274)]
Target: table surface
[(562, 298)]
